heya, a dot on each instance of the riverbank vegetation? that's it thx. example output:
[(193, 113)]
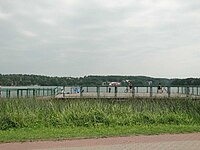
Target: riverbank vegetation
[(91, 118), (27, 80)]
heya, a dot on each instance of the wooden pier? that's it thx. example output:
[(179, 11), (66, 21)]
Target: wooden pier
[(122, 92), (101, 92)]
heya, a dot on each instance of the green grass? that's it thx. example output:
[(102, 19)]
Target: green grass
[(35, 134), (33, 119)]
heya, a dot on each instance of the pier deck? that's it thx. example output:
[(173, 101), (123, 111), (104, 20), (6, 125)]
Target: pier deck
[(118, 95)]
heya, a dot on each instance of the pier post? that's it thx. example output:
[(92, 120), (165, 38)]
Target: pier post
[(6, 93), (9, 93), (81, 92), (187, 91), (17, 93), (54, 92), (151, 91), (63, 91), (33, 92), (133, 92), (168, 91), (178, 90), (51, 92), (71, 90), (27, 93), (98, 92), (182, 90), (38, 92), (192, 90), (115, 91)]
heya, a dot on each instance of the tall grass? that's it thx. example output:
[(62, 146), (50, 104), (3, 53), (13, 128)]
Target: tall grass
[(20, 113)]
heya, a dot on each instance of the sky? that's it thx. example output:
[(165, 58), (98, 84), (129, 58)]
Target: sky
[(157, 38)]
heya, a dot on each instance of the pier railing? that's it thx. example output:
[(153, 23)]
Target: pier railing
[(10, 92), (125, 92), (101, 92)]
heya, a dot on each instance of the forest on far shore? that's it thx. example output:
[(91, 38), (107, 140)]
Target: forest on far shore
[(91, 80)]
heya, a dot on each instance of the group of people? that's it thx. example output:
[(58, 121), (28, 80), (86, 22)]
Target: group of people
[(161, 89), (115, 84), (130, 86)]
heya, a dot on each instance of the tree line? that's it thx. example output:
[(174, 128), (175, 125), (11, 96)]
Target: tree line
[(28, 80)]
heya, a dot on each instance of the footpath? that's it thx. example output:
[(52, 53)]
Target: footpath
[(189, 141)]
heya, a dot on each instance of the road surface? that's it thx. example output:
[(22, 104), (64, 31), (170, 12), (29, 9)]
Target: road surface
[(154, 142)]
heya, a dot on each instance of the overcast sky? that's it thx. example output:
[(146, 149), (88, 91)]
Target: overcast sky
[(158, 38)]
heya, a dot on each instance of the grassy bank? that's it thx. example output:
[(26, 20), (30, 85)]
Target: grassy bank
[(35, 134), (25, 119)]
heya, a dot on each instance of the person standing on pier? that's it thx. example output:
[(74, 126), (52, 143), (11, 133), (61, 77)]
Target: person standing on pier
[(109, 89), (159, 90), (130, 85)]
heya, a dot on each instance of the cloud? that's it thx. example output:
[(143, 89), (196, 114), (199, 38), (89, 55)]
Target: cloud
[(4, 16), (77, 38), (28, 33)]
